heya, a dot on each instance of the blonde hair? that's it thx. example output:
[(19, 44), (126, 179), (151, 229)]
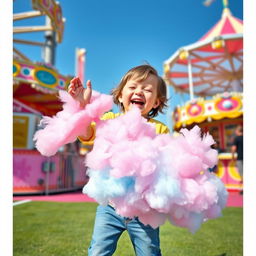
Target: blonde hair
[(140, 73)]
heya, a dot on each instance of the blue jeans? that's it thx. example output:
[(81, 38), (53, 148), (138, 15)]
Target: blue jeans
[(108, 228)]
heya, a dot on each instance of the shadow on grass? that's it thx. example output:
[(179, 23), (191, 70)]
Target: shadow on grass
[(223, 254)]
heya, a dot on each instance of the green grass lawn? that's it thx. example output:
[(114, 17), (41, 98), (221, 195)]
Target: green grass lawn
[(64, 229)]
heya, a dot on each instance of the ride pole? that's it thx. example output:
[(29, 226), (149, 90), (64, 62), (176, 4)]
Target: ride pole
[(50, 45), (190, 79)]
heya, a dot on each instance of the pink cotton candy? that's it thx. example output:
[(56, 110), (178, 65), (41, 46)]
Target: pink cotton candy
[(213, 212), (189, 165), (101, 149), (166, 177), (130, 205), (193, 144), (69, 123), (153, 218), (144, 183), (190, 220)]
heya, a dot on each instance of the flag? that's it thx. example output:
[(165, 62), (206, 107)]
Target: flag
[(80, 63), (225, 3)]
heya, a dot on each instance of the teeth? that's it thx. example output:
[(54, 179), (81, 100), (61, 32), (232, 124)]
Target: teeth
[(137, 102)]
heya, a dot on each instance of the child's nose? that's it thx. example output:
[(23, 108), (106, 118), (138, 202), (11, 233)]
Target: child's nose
[(138, 90)]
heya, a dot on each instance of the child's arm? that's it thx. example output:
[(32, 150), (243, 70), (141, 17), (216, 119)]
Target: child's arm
[(83, 95)]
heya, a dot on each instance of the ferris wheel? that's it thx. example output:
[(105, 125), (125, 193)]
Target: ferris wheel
[(36, 83), (53, 27)]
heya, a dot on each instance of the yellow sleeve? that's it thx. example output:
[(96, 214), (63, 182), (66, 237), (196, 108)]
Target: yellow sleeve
[(163, 129), (90, 141), (110, 115), (160, 127)]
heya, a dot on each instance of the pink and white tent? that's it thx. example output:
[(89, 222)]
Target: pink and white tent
[(214, 64)]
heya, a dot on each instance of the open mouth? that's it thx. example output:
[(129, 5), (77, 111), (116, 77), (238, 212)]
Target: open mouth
[(137, 102)]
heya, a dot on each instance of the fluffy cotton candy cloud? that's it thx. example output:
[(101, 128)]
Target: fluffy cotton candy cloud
[(154, 177), (69, 123)]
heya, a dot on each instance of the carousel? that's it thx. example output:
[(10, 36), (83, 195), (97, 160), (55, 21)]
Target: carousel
[(212, 70), (35, 93)]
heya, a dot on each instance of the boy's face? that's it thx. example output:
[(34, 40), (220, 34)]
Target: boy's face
[(142, 94)]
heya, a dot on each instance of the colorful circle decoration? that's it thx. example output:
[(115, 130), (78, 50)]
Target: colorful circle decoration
[(194, 109), (15, 69), (62, 83), (25, 71), (227, 104), (45, 77)]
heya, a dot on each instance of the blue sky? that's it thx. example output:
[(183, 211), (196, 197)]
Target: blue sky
[(119, 35)]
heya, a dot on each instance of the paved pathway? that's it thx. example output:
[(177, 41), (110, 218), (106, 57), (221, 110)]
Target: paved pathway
[(234, 199), (61, 197)]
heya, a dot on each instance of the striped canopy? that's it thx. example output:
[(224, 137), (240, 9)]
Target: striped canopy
[(214, 64), (228, 24)]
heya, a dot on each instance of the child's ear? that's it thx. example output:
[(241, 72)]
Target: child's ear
[(157, 103), (120, 99)]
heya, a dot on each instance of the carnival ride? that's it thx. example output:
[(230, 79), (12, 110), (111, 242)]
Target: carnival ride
[(212, 69), (35, 93)]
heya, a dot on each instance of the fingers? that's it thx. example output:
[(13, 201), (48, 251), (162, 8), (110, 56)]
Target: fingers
[(89, 84), (71, 89), (76, 82), (73, 79), (75, 85), (76, 88)]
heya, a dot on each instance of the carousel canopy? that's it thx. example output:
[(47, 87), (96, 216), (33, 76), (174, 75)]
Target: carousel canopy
[(36, 85), (43, 103), (214, 64)]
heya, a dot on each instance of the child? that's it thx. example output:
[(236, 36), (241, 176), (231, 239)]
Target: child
[(143, 87), (139, 174)]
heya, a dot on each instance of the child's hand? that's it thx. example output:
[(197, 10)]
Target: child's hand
[(78, 92)]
